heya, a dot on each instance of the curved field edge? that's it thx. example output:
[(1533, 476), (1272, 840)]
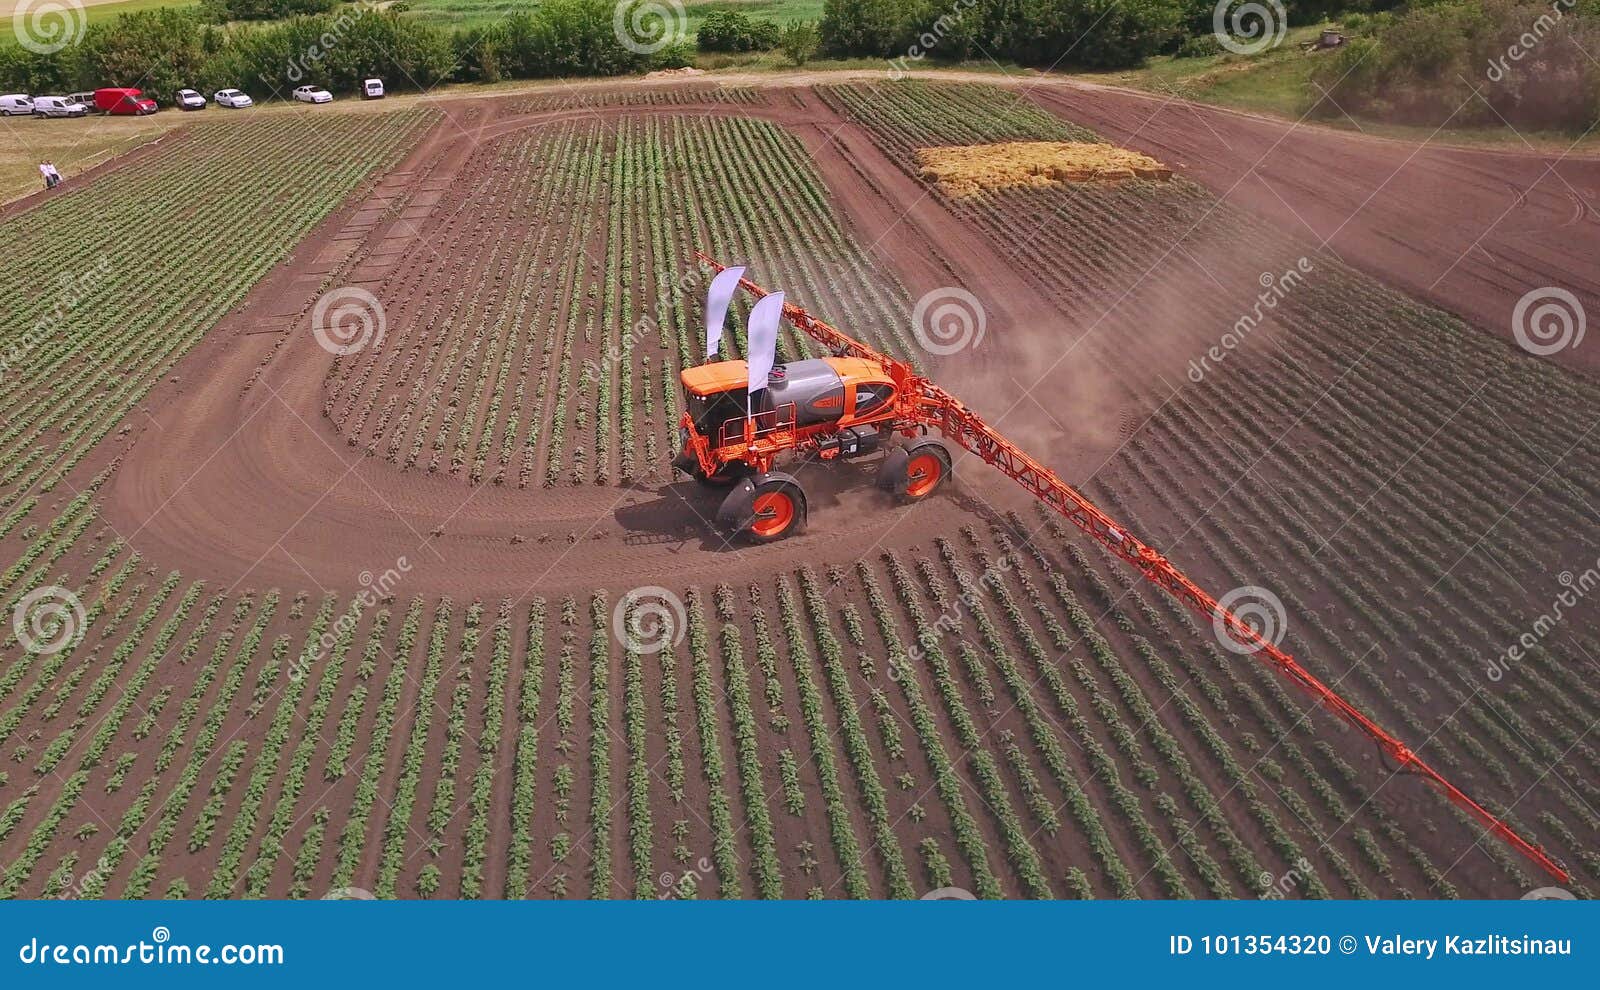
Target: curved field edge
[(1072, 736)]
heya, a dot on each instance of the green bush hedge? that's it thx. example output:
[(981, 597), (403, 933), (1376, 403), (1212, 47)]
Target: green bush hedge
[(731, 31), (1090, 33), (223, 11), (167, 48)]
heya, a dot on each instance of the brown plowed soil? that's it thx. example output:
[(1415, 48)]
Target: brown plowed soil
[(1113, 730), (238, 475), (1470, 231)]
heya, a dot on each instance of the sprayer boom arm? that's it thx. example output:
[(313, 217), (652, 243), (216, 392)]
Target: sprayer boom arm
[(930, 405)]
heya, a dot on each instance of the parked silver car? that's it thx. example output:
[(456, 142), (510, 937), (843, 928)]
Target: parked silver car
[(233, 99)]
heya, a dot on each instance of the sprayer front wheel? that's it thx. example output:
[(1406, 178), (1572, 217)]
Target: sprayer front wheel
[(778, 510), (927, 468)]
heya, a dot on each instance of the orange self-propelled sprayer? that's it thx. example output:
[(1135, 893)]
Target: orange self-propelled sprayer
[(859, 402)]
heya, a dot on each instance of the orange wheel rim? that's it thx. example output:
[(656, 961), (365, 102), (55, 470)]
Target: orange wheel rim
[(774, 512), (923, 474)]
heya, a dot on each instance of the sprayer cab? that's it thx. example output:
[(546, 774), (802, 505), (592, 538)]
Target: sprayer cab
[(830, 408), (820, 390)]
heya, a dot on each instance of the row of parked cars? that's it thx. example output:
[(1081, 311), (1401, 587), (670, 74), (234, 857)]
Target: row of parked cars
[(118, 101), (371, 89), (126, 101)]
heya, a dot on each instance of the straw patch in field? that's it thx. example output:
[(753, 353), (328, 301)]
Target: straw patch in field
[(963, 170)]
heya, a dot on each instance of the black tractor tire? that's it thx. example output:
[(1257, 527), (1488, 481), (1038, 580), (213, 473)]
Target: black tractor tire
[(927, 468), (766, 508)]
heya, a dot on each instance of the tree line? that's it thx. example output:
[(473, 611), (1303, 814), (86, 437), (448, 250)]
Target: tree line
[(164, 49)]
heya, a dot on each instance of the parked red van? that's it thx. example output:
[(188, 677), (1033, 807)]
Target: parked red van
[(123, 101)]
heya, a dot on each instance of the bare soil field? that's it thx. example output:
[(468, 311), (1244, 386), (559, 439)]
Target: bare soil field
[(1469, 231), (350, 603)]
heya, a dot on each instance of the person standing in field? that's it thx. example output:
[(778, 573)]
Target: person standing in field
[(55, 176), (44, 170)]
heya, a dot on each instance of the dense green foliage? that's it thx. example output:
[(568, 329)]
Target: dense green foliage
[(1465, 62), (164, 49), (732, 31), (1091, 33), (222, 11), (800, 41), (560, 38)]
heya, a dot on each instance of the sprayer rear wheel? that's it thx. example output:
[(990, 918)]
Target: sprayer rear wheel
[(779, 510)]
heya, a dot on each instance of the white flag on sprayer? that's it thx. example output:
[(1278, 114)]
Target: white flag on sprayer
[(717, 298), (762, 334)]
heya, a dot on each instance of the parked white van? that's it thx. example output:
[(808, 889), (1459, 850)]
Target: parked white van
[(16, 103), (58, 106), (372, 89)]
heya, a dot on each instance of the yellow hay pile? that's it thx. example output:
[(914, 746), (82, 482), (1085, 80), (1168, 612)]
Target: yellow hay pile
[(967, 169)]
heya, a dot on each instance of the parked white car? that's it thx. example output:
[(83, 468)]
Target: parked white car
[(372, 89), (233, 99), (313, 94), (15, 103), (188, 99), (58, 106)]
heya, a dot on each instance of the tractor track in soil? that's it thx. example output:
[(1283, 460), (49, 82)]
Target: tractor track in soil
[(237, 477), (237, 474), (1468, 230)]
